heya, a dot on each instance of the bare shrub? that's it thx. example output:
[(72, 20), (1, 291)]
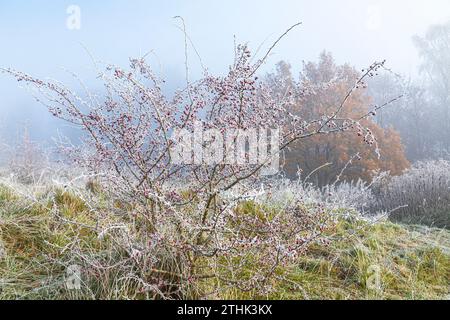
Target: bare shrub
[(188, 230), (356, 195), (423, 193)]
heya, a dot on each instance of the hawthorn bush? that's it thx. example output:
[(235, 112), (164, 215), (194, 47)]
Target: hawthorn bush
[(187, 230), (420, 196)]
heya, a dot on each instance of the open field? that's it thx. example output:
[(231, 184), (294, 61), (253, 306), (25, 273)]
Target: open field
[(363, 260)]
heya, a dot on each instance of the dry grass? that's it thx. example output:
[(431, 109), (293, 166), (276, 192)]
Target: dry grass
[(362, 261)]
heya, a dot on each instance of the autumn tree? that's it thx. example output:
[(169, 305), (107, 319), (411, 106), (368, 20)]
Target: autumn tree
[(344, 156)]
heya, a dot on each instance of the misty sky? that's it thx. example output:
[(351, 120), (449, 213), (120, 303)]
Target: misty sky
[(35, 38)]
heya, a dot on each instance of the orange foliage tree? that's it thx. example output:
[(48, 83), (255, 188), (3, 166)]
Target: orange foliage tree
[(346, 155)]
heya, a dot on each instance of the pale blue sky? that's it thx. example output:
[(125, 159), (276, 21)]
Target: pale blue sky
[(35, 39)]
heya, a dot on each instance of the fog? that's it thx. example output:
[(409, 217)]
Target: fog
[(36, 39)]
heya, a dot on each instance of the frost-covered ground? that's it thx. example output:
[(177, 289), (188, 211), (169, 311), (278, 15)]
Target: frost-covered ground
[(47, 226)]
